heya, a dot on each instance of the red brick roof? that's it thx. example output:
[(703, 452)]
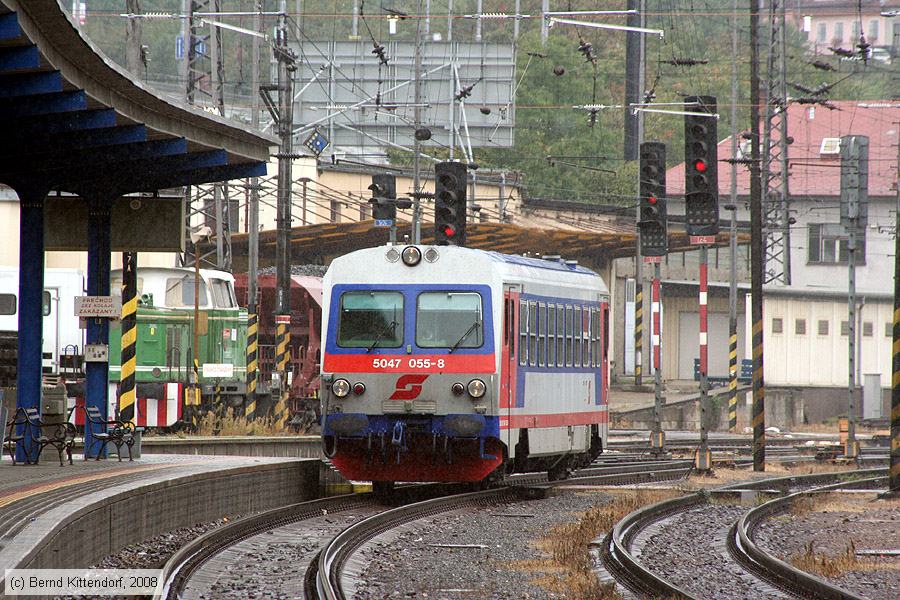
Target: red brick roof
[(814, 174)]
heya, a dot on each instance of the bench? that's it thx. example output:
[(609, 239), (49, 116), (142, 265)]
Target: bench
[(59, 435), (105, 431), (14, 435)]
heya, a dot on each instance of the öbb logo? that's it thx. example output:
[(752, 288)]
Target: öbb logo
[(408, 387)]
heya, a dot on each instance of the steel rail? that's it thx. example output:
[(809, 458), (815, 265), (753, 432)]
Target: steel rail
[(336, 553), (181, 565), (775, 571), (616, 553)]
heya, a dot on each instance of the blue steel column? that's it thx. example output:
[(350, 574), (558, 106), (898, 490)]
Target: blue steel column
[(31, 287), (97, 373)]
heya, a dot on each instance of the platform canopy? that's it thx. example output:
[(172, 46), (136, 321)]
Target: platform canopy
[(72, 120)]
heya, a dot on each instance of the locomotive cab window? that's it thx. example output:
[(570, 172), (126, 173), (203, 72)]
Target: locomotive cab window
[(449, 320), (180, 292), (222, 293), (371, 320), (7, 304)]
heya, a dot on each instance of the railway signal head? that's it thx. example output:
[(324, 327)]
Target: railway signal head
[(701, 185), (450, 204), (653, 223), (384, 197)]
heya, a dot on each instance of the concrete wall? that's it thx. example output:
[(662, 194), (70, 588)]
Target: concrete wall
[(83, 537), (784, 411)]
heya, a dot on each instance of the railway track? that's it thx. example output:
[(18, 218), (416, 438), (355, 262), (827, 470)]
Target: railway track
[(772, 576), (322, 577)]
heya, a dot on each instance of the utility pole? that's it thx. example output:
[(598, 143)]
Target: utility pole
[(284, 120), (894, 480), (253, 234), (633, 42), (133, 38), (732, 288), (757, 253), (417, 143), (854, 200)]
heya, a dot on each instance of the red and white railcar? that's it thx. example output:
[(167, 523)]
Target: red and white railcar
[(453, 364)]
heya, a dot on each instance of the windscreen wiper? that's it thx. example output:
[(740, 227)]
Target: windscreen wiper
[(389, 327), (475, 325)]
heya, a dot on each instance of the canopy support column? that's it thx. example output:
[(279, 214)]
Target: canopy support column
[(97, 373)]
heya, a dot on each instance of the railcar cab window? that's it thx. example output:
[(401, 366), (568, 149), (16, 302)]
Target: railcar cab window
[(370, 320), (180, 292), (449, 320), (222, 293)]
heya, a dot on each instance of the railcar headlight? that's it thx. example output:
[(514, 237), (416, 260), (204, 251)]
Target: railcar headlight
[(340, 388), (476, 388), (411, 256), (457, 389)]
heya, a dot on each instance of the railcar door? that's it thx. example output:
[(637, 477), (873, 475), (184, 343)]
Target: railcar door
[(508, 361)]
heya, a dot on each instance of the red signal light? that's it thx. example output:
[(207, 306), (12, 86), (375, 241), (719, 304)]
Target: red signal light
[(651, 200), (449, 230), (700, 165)]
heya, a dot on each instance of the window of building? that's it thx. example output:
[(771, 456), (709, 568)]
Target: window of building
[(838, 36), (889, 329), (365, 211), (7, 304), (523, 333), (823, 327), (370, 320), (854, 32), (868, 328), (873, 31), (800, 326), (551, 335), (180, 292), (845, 327), (777, 325), (821, 33), (828, 244), (335, 210)]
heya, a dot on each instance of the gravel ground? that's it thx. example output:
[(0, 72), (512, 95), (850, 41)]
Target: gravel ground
[(690, 549), (151, 553), (869, 523), (269, 565), (409, 566)]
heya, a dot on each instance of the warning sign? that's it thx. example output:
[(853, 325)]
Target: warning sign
[(98, 306)]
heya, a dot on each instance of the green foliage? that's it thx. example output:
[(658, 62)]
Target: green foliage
[(585, 161)]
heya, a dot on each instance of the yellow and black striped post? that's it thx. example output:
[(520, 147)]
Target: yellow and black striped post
[(282, 358), (252, 364), (638, 327), (732, 376), (129, 337), (218, 407), (894, 479)]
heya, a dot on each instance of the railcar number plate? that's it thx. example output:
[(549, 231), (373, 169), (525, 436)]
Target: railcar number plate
[(412, 363)]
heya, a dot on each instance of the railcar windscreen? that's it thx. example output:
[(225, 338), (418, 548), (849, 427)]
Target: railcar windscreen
[(371, 319), (180, 292), (449, 320)]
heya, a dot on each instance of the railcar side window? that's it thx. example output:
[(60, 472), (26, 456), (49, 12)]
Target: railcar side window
[(7, 304), (586, 337), (577, 336), (551, 335), (560, 335), (570, 354), (449, 320), (523, 333), (532, 333), (542, 333), (370, 320), (595, 337)]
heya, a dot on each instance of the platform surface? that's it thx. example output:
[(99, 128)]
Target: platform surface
[(35, 498)]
